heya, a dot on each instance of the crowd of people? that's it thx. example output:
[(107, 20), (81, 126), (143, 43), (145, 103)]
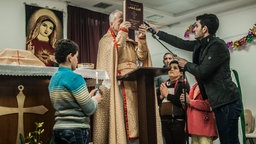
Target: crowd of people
[(207, 110)]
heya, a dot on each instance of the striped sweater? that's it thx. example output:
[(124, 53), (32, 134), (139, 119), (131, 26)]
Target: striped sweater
[(71, 100)]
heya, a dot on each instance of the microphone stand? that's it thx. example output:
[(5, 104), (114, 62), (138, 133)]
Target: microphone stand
[(185, 103), (152, 31), (153, 35)]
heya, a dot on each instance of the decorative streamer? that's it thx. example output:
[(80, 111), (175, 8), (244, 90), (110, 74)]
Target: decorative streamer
[(244, 40)]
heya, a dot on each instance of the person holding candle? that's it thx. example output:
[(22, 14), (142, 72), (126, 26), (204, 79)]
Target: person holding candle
[(70, 97)]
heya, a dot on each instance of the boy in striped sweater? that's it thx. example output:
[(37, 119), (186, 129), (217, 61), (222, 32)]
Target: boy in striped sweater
[(69, 95)]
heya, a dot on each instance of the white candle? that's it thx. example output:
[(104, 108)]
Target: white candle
[(96, 77)]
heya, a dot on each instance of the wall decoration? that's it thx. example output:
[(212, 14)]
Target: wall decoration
[(43, 28), (189, 30), (244, 40)]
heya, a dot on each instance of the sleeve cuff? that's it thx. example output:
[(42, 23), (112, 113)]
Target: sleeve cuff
[(142, 38), (123, 29)]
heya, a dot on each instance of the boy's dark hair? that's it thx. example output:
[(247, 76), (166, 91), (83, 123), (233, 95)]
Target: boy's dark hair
[(175, 62), (63, 48), (209, 20)]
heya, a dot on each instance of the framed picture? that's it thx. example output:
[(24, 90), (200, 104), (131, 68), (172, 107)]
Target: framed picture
[(43, 28)]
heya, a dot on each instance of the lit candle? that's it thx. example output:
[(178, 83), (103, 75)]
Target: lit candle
[(96, 77)]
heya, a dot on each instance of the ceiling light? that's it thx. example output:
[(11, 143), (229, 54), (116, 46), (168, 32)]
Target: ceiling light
[(102, 5), (154, 17)]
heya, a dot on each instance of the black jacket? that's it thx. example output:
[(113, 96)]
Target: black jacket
[(211, 67)]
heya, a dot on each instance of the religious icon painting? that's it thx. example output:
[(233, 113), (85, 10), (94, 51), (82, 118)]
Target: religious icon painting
[(43, 28)]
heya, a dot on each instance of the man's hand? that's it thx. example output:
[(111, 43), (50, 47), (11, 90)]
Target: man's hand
[(125, 25), (182, 98), (96, 96), (182, 62), (152, 26), (142, 31)]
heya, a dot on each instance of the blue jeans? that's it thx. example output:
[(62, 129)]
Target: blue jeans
[(227, 122), (71, 136)]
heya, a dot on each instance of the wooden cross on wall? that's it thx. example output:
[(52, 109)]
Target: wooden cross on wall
[(21, 110)]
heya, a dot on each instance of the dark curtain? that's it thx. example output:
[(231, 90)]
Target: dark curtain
[(86, 27)]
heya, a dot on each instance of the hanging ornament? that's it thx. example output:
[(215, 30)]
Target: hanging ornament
[(189, 30), (253, 30), (244, 40), (249, 38), (229, 44), (235, 44)]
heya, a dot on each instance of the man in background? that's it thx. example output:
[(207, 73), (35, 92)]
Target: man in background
[(167, 58)]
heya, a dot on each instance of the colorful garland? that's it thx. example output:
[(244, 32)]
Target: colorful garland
[(244, 40)]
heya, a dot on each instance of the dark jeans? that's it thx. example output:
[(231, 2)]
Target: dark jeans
[(227, 122), (71, 136), (173, 131)]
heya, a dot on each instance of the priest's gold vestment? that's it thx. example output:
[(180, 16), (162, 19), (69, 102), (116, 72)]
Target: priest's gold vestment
[(116, 119)]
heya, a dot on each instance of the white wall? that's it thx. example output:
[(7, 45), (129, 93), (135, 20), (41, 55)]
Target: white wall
[(236, 25), (12, 15)]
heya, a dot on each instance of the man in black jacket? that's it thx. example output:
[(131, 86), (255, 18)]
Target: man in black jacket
[(211, 67)]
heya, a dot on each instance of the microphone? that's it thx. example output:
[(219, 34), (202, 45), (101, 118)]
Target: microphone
[(150, 29)]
